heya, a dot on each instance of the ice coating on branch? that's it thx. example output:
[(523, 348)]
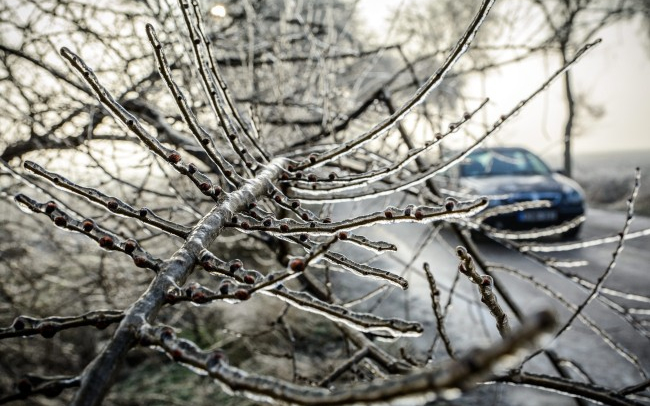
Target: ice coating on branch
[(361, 321)]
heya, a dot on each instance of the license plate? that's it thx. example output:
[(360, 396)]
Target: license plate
[(537, 215)]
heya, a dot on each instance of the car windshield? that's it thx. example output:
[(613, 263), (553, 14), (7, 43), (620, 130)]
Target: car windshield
[(502, 162)]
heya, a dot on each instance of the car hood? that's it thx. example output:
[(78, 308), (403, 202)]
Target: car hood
[(511, 184)]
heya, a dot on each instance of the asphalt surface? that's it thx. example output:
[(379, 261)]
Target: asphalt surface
[(469, 323)]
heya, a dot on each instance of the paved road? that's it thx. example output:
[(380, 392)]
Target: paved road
[(470, 324)]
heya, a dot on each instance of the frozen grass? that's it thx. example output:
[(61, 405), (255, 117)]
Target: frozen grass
[(608, 179)]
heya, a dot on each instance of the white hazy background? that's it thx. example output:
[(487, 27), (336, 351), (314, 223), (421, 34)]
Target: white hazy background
[(614, 76)]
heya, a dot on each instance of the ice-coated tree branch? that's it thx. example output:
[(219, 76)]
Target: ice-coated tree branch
[(253, 123)]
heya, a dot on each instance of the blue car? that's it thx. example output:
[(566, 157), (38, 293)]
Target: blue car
[(512, 175)]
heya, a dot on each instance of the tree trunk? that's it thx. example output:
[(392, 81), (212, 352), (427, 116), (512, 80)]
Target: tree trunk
[(568, 127)]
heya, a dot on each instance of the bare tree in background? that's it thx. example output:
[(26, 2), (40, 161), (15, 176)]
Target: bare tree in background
[(568, 24), (227, 176)]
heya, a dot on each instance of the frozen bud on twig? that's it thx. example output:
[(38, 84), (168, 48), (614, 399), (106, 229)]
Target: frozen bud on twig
[(205, 187), (47, 330), (450, 203), (50, 207), (88, 225), (140, 261), (60, 221), (106, 242), (112, 205), (174, 157), (235, 265), (297, 265), (242, 294), (130, 245), (486, 281)]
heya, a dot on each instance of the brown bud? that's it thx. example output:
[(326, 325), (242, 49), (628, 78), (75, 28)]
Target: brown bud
[(312, 158), (235, 265), (215, 359), (486, 280), (312, 177), (143, 212), (140, 261), (297, 265), (284, 228), (88, 225), (299, 175), (205, 141), (199, 297), (60, 221), (205, 187), (130, 245), (284, 176), (467, 116), (327, 220), (343, 235), (291, 168), (24, 386), (112, 204), (50, 207), (18, 324), (407, 211), (245, 225), (331, 176), (242, 294), (419, 214), (224, 288), (277, 198), (106, 242), (295, 204), (388, 214), (174, 157), (227, 174), (267, 223), (47, 330), (191, 168), (304, 216), (249, 279), (449, 205), (304, 237)]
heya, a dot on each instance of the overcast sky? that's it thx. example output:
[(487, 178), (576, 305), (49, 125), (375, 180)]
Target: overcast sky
[(615, 76)]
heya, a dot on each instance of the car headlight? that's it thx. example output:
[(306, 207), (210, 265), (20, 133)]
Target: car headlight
[(571, 196)]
